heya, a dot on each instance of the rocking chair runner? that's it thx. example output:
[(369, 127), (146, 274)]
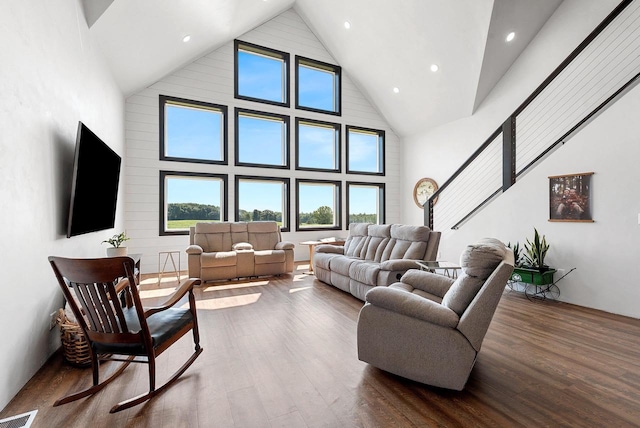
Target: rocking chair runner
[(114, 331)]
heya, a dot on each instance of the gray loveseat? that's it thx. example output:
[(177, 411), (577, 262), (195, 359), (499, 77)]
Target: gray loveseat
[(374, 255), (238, 250)]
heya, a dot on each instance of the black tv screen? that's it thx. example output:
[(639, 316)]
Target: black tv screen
[(94, 191)]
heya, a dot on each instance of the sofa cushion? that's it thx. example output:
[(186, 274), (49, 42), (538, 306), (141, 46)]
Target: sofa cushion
[(358, 234), (379, 235), (269, 256), (341, 265), (218, 259), (407, 242), (365, 272), (239, 232), (478, 261), (213, 236), (462, 292), (323, 259), (263, 235), (410, 233), (409, 289), (482, 258)]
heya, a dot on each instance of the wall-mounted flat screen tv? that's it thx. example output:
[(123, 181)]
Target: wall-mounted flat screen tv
[(94, 191)]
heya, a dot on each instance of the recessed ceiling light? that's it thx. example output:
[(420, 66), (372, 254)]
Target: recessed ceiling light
[(347, 24), (434, 67), (396, 90), (186, 38), (510, 36)]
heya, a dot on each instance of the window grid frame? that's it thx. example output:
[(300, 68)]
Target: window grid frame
[(341, 212), (381, 144), (224, 209), (286, 120), (382, 204), (286, 209), (238, 45), (323, 66), (337, 200), (202, 105), (337, 127)]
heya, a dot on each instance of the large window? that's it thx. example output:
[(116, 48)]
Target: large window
[(196, 131), (262, 139), (365, 203), (365, 151), (261, 199), (261, 74), (317, 145), (192, 131), (187, 198), (317, 86), (318, 205)]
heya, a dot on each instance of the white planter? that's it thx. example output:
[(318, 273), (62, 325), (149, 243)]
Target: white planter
[(116, 252)]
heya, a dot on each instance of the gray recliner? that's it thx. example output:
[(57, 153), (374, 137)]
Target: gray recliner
[(428, 327)]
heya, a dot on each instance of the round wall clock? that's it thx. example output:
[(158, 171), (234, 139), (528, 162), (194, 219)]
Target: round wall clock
[(424, 188)]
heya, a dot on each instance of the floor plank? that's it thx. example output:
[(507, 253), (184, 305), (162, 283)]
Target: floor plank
[(281, 352)]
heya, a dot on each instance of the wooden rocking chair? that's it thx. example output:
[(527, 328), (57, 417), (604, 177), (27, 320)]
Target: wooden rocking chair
[(114, 330)]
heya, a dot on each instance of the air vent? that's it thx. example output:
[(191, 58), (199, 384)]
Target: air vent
[(19, 421)]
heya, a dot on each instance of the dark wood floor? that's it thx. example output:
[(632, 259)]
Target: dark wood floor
[(282, 353)]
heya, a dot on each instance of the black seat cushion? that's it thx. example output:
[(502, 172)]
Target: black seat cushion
[(162, 325)]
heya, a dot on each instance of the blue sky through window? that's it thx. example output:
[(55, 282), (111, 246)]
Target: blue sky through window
[(193, 133), (261, 140), (193, 190), (363, 199), (316, 146), (313, 196), (197, 133), (316, 88), (364, 152), (261, 195), (261, 77)]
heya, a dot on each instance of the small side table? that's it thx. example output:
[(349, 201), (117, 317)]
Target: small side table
[(448, 269), (168, 255)]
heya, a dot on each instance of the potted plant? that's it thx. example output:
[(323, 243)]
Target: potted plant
[(517, 253), (116, 248), (532, 269)]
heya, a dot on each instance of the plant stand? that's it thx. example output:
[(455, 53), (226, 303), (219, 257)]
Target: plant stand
[(538, 285)]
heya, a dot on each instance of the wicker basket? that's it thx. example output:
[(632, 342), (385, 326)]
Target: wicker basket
[(75, 347)]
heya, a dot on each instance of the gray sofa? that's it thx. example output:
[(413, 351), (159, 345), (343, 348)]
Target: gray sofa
[(430, 328), (238, 250), (374, 255)]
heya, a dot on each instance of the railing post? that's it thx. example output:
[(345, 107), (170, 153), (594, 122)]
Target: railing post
[(508, 153), (428, 213)]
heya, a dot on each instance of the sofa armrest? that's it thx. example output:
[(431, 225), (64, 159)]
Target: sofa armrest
[(328, 248), (432, 283), (398, 264), (194, 249), (412, 305), (285, 245)]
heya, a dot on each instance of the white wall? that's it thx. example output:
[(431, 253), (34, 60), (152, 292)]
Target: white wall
[(210, 79), (51, 77), (606, 252)]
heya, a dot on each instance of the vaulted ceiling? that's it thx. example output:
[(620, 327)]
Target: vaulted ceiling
[(391, 44)]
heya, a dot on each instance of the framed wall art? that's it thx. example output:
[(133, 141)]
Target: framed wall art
[(570, 197)]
